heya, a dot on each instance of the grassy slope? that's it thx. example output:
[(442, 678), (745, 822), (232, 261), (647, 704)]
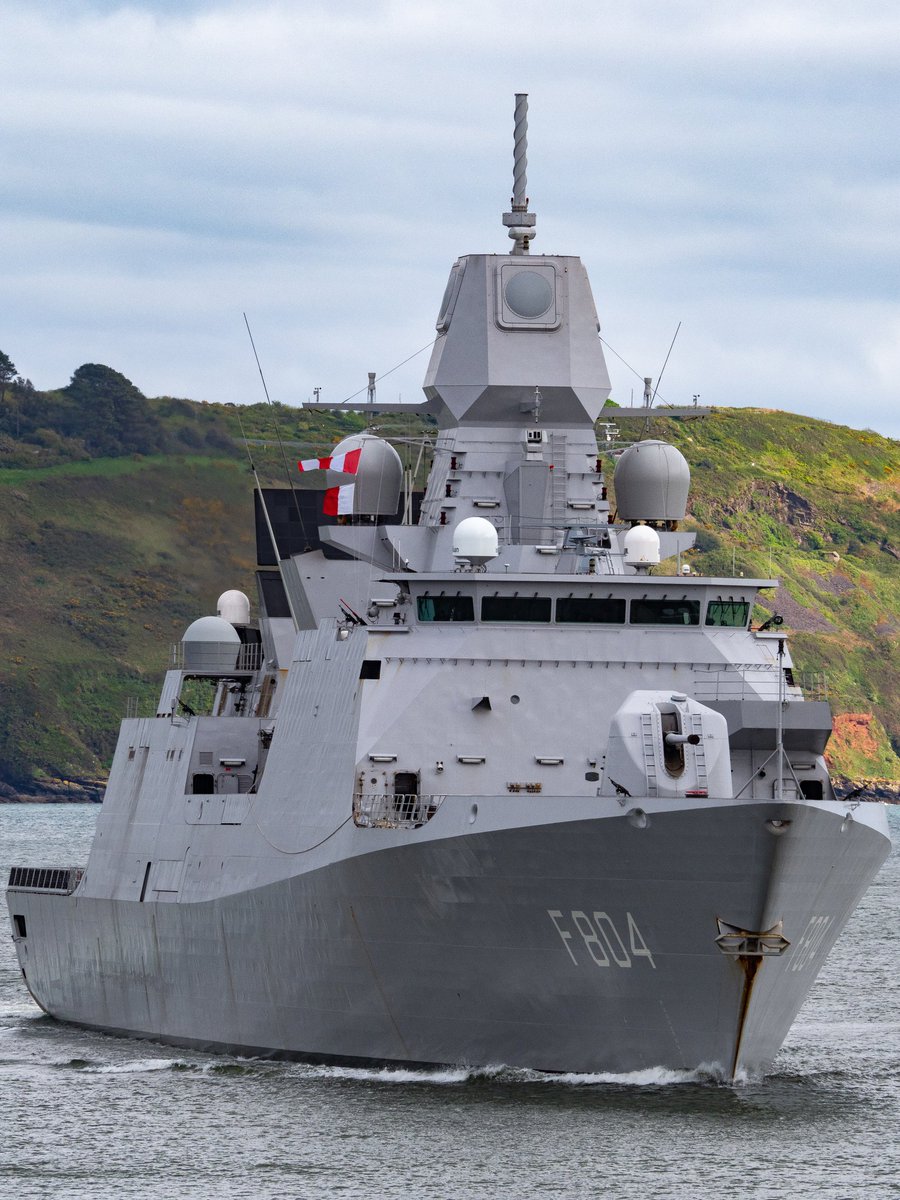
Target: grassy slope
[(107, 561)]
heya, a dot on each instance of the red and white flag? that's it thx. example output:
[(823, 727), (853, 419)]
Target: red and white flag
[(347, 463), (338, 501)]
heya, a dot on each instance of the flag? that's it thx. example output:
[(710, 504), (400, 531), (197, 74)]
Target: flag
[(347, 463), (339, 501)]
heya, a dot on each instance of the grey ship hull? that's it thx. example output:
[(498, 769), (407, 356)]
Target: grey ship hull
[(580, 946)]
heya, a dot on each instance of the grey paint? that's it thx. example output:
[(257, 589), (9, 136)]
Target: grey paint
[(652, 482), (547, 890)]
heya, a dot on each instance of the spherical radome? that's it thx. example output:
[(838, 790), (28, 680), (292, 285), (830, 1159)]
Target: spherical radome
[(652, 481), (379, 475), (211, 644), (234, 606), (475, 539), (211, 629), (641, 545)]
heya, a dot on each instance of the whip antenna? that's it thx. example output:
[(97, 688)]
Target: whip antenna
[(277, 427), (659, 378)]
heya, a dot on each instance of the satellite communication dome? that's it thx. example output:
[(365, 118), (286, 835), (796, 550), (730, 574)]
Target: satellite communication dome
[(211, 644), (641, 544), (378, 477), (234, 607), (652, 480), (475, 540)]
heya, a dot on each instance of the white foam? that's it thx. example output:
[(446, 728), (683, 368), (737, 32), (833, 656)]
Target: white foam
[(394, 1074), (512, 1076), (136, 1066), (18, 1011)]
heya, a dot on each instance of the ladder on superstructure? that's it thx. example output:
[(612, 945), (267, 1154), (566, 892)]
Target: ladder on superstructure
[(696, 726), (559, 483), (650, 742)]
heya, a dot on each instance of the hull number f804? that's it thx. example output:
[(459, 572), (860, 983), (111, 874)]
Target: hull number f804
[(594, 937)]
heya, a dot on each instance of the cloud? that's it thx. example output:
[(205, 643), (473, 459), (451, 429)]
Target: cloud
[(169, 166)]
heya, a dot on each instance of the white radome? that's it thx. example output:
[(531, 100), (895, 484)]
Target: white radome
[(475, 540), (641, 544), (234, 606)]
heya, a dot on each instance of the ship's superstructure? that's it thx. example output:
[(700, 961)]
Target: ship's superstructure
[(502, 786)]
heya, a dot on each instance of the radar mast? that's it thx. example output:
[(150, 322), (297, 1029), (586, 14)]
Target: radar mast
[(520, 223)]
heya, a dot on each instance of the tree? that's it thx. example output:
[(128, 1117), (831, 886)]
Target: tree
[(110, 413), (7, 374)]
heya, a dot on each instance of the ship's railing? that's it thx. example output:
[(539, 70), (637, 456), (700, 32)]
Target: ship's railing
[(756, 681), (813, 684), (217, 657), (62, 880), (385, 810)]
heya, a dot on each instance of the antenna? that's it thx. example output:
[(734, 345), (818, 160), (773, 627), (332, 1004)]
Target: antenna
[(648, 399), (520, 222), (666, 361), (286, 471), (268, 519)]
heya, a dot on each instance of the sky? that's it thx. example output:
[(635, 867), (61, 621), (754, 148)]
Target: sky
[(166, 167)]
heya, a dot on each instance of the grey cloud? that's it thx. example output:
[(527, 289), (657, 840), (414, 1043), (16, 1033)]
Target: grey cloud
[(168, 166)]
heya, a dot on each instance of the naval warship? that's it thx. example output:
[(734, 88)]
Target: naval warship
[(501, 786)]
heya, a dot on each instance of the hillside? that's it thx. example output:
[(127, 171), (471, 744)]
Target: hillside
[(112, 546)]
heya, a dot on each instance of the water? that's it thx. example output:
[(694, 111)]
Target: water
[(99, 1117)]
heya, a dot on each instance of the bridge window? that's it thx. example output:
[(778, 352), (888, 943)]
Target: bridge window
[(590, 610), (515, 608), (665, 612), (731, 613), (445, 608)]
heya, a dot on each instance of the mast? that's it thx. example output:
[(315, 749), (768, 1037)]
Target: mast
[(519, 221)]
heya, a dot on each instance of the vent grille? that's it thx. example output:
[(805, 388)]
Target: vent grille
[(45, 879)]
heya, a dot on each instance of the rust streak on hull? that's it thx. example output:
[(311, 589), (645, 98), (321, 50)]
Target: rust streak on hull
[(750, 965)]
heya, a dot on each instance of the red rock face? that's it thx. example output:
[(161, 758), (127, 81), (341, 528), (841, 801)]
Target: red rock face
[(853, 732)]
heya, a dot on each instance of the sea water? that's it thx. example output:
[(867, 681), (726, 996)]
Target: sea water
[(90, 1116)]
